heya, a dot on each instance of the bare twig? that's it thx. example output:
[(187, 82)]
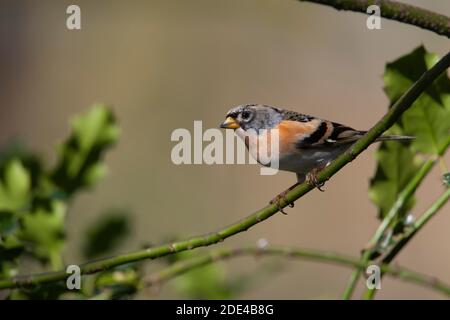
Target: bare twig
[(402, 198), (189, 264), (418, 225), (397, 11)]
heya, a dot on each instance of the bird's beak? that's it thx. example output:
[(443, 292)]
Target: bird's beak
[(230, 123)]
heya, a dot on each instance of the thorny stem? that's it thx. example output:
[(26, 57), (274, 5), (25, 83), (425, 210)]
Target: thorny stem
[(418, 225), (402, 198), (188, 264), (395, 10)]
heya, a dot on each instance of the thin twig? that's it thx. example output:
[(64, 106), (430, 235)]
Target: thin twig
[(397, 11), (189, 264), (402, 198), (418, 225)]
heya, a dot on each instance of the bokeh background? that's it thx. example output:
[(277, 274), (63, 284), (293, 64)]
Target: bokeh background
[(162, 65)]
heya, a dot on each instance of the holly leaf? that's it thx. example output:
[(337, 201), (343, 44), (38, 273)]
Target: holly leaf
[(79, 162), (19, 172), (8, 222), (428, 119), (10, 249), (446, 179), (43, 231), (14, 186), (396, 167), (48, 291), (107, 233)]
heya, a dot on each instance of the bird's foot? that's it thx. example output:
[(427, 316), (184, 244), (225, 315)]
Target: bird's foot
[(311, 178), (282, 197)]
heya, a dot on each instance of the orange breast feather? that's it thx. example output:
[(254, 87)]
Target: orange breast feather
[(292, 131)]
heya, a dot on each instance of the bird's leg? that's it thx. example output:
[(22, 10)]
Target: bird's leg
[(282, 195), (311, 177)]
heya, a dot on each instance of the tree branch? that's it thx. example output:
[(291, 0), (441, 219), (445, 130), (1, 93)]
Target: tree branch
[(398, 11), (402, 198), (189, 264), (385, 123), (418, 225)]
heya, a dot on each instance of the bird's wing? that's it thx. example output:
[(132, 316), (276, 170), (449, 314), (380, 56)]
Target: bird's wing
[(342, 134), (311, 132)]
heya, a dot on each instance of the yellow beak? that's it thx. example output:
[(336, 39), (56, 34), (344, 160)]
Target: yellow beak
[(230, 123)]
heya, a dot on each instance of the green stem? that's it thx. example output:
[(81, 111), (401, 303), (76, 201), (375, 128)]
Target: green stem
[(444, 168), (385, 123), (189, 264), (106, 294), (402, 198), (418, 225), (398, 11), (56, 261)]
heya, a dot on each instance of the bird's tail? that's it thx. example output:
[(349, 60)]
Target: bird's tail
[(395, 137)]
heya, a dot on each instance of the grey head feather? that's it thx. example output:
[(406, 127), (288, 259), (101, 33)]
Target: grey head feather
[(256, 116), (295, 116)]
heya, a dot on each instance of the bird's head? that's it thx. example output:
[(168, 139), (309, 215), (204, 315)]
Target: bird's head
[(252, 116)]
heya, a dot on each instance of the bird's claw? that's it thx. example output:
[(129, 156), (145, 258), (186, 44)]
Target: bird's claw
[(311, 177), (277, 202)]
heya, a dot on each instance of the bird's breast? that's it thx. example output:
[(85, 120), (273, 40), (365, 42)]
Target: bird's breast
[(286, 155)]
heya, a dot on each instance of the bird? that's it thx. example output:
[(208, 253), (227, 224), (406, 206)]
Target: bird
[(307, 144)]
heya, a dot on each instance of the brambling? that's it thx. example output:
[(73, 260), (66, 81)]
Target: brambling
[(306, 144)]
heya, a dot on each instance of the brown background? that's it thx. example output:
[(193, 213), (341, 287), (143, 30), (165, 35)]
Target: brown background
[(164, 64)]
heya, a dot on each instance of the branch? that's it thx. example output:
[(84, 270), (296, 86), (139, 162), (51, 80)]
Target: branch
[(189, 264), (420, 223), (402, 198), (385, 123), (398, 11)]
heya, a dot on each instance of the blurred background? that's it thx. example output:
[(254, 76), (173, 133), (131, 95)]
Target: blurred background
[(162, 65)]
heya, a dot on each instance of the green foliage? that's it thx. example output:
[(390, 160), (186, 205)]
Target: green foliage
[(207, 282), (106, 233), (43, 231), (446, 179), (34, 201), (118, 283), (428, 120), (396, 166), (212, 282), (18, 176), (15, 186), (79, 162), (429, 117)]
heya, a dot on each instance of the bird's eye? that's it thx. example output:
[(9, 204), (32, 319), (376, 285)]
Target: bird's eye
[(245, 115)]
